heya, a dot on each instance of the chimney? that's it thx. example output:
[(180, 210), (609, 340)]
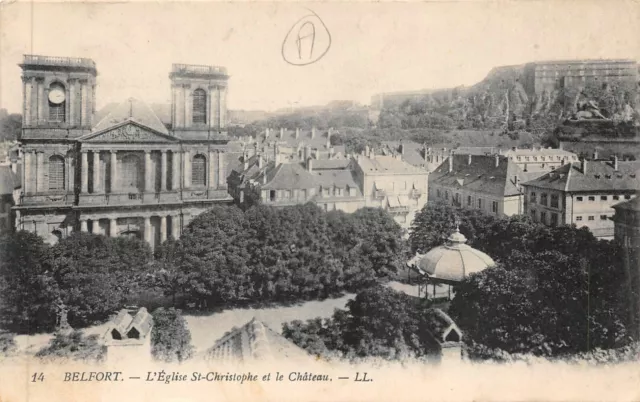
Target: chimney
[(281, 132), (313, 132), (266, 133), (584, 166), (595, 155), (310, 165), (469, 161), (260, 162), (275, 153), (615, 162), (14, 166), (264, 178), (329, 138), (307, 152), (450, 163), (297, 132), (516, 180), (497, 160)]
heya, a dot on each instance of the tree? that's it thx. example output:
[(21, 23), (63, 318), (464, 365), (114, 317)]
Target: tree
[(75, 346), (95, 273), (379, 322), (29, 292), (10, 127), (170, 337)]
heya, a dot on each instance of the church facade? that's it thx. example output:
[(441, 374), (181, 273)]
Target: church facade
[(129, 173)]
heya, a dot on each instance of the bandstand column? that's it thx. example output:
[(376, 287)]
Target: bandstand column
[(114, 171), (96, 172), (163, 170), (85, 172), (147, 171), (163, 229)]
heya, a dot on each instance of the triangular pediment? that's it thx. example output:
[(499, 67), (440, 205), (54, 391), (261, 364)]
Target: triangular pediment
[(128, 132)]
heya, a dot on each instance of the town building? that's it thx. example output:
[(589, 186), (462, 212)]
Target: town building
[(334, 184), (392, 184), (298, 145), (418, 155), (10, 183), (535, 159), (490, 183), (626, 222), (128, 172), (582, 193)]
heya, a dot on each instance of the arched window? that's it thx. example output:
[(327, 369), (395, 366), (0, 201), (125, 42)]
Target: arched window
[(199, 106), (130, 172), (56, 172), (198, 171), (57, 103)]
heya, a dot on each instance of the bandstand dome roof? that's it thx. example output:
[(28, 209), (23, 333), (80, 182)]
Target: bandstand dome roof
[(454, 260)]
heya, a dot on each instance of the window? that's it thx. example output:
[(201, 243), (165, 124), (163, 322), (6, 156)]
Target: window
[(198, 171), (603, 198), (579, 199), (543, 217), (603, 217), (56, 173), (533, 215), (446, 195), (57, 110), (578, 218), (199, 106), (494, 207), (543, 198), (616, 197), (554, 200), (591, 217), (272, 195), (479, 202), (303, 194), (532, 197), (554, 219), (469, 200), (438, 192), (627, 197), (592, 198)]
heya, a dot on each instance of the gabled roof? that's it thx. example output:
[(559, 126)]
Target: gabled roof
[(254, 341), (289, 176), (131, 110), (598, 176), (125, 329), (337, 178), (481, 175), (331, 164)]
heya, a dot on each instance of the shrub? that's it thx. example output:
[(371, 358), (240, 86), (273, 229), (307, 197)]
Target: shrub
[(170, 337), (74, 346)]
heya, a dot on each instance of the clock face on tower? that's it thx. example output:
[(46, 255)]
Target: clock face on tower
[(56, 96)]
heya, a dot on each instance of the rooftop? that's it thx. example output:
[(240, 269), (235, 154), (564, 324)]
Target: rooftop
[(131, 109), (597, 176), (196, 69), (254, 341), (383, 164), (454, 260), (38, 60)]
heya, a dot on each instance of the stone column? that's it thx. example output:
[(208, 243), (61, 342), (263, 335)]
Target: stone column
[(187, 169), (147, 172), (83, 225), (211, 175), (188, 110), (97, 186), (175, 226), (147, 229), (69, 173), (212, 107), (222, 178), (84, 121), (41, 100), (40, 187), (163, 229), (68, 104), (28, 85), (113, 227), (84, 176), (163, 170), (114, 171), (176, 178), (28, 172)]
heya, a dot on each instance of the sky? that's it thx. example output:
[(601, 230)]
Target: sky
[(375, 47)]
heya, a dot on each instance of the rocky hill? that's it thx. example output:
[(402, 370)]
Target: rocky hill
[(508, 99)]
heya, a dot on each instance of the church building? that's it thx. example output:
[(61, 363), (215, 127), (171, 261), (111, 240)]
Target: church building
[(127, 172)]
